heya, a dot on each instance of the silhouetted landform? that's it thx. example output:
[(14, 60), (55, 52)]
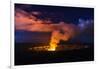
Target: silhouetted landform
[(23, 56)]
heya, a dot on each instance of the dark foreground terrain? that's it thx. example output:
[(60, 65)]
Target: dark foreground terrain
[(25, 57)]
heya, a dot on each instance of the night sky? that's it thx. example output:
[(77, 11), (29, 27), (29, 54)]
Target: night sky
[(59, 13), (55, 14)]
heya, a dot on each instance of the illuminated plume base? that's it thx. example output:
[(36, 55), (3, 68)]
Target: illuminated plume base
[(52, 47)]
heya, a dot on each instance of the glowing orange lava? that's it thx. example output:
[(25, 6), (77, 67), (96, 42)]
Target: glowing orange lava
[(52, 47)]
